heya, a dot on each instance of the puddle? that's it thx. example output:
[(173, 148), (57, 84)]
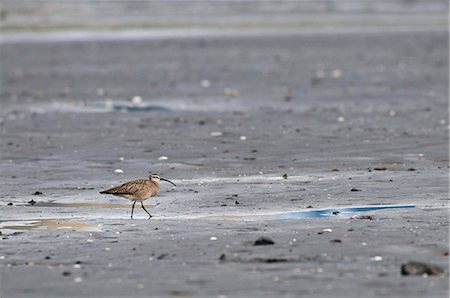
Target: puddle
[(8, 227), (348, 212), (111, 106), (86, 205)]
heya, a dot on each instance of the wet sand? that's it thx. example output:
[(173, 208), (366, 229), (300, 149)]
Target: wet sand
[(247, 126)]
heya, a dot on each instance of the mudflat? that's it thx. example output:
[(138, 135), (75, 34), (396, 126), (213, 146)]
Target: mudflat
[(332, 145)]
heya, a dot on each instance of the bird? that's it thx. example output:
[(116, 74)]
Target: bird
[(138, 190)]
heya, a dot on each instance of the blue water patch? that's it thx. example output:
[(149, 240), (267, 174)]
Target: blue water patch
[(125, 106), (335, 212)]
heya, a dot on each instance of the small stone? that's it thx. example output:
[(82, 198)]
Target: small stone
[(285, 176), (37, 193), (236, 202), (205, 83), (47, 257), (380, 169), (223, 257), (376, 259), (162, 256), (243, 138), (32, 202), (163, 158), (335, 212), (355, 189), (411, 169), (118, 171), (67, 273), (136, 100), (263, 241), (10, 204), (340, 119), (368, 217), (336, 241), (335, 170), (216, 133), (419, 268)]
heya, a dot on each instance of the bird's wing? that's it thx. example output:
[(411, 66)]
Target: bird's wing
[(128, 188)]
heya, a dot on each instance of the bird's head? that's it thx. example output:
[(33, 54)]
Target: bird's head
[(157, 178)]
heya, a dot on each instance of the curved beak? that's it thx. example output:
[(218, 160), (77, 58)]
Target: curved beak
[(167, 181)]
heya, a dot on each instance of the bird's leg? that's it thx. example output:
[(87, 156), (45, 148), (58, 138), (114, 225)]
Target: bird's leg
[(132, 209), (142, 204)]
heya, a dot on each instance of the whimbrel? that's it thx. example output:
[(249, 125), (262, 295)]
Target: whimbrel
[(138, 190)]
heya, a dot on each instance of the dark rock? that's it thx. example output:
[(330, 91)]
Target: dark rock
[(237, 203), (47, 257), (335, 170), (32, 202), (10, 204), (162, 256), (335, 212), (67, 273), (263, 241), (37, 193), (223, 258), (369, 217), (355, 189), (336, 241), (418, 268), (411, 169), (380, 169), (285, 176)]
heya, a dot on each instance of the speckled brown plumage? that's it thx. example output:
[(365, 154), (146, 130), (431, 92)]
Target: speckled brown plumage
[(138, 190)]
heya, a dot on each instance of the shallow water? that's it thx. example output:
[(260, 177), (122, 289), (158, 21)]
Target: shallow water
[(47, 224), (351, 212)]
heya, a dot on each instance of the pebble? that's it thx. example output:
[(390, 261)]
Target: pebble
[(67, 273), (205, 83), (263, 241), (376, 259), (419, 268), (37, 193), (163, 158), (32, 202), (355, 189), (118, 171)]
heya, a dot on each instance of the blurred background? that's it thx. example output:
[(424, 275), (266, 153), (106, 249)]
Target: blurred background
[(116, 14)]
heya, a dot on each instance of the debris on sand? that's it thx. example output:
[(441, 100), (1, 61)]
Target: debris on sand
[(37, 193), (418, 268), (223, 258), (355, 189), (32, 202), (368, 217), (263, 241)]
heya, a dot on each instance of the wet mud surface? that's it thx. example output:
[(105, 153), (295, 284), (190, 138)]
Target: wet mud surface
[(334, 146)]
